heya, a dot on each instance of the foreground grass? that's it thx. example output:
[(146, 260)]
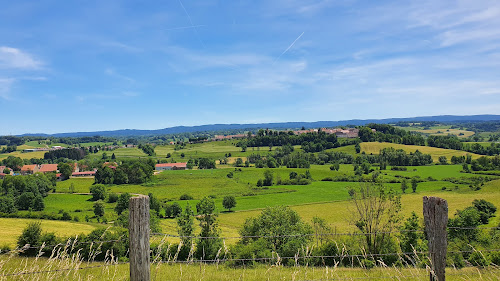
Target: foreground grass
[(69, 270)]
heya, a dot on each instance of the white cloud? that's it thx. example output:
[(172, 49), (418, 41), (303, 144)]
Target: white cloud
[(113, 73), (5, 85), (12, 58)]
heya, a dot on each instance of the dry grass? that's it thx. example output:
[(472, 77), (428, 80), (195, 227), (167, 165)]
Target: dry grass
[(11, 228), (375, 147)]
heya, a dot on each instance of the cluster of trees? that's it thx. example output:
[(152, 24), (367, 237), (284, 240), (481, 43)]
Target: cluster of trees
[(148, 149), (388, 133), (69, 153), (133, 171), (492, 149), (8, 149), (25, 192), (311, 142), (12, 140), (484, 163), (398, 157)]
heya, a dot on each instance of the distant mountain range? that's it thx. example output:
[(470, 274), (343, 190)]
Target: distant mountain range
[(284, 125)]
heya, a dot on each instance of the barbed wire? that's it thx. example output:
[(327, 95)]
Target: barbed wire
[(314, 234), (285, 235)]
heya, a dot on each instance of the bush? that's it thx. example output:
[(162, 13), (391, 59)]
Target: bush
[(112, 198), (31, 236), (186, 197)]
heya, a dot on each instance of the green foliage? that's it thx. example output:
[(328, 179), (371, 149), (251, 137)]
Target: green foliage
[(122, 203), (404, 185), (185, 226), (278, 225), (99, 209), (375, 211), (154, 203), (148, 149), (414, 184), (98, 192), (31, 236), (207, 248), (65, 169), (229, 202), (205, 163)]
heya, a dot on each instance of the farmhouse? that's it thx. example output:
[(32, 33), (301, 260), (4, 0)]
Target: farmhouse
[(47, 168), (83, 174), (29, 169), (170, 166)]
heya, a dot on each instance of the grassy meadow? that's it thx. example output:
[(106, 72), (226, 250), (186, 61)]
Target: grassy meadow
[(375, 147), (168, 271)]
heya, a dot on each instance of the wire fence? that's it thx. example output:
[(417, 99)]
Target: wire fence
[(301, 258)]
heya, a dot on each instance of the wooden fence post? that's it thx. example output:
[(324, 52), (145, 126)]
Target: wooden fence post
[(138, 228), (436, 220)]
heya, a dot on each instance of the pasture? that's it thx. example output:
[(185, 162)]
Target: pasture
[(11, 228), (375, 147)]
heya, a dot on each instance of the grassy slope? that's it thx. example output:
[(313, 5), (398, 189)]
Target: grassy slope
[(375, 147)]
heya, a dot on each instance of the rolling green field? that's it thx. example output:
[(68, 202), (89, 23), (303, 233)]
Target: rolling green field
[(325, 199)]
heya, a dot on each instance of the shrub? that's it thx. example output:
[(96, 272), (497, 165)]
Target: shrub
[(31, 235), (186, 197)]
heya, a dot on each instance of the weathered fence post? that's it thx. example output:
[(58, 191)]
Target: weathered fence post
[(436, 220), (138, 228)]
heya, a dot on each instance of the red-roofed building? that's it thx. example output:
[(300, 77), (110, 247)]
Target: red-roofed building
[(171, 166), (3, 168), (83, 174), (29, 169), (47, 168)]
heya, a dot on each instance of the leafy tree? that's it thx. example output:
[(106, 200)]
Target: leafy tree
[(38, 204), (468, 219), (358, 148), (229, 202), (99, 208), (122, 203), (113, 156), (414, 184), (443, 160), (207, 248), (31, 236), (185, 226), (486, 209), (205, 163), (98, 192), (268, 178), (280, 228), (176, 209), (412, 238), (154, 203), (404, 185), (375, 211), (65, 169), (6, 171), (25, 201)]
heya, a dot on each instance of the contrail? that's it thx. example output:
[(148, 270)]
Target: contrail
[(192, 25), (291, 45), (184, 27)]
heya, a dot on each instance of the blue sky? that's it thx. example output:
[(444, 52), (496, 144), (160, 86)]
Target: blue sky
[(70, 66)]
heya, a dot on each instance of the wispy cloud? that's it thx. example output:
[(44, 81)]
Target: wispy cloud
[(121, 46), (113, 73), (5, 85), (12, 58)]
